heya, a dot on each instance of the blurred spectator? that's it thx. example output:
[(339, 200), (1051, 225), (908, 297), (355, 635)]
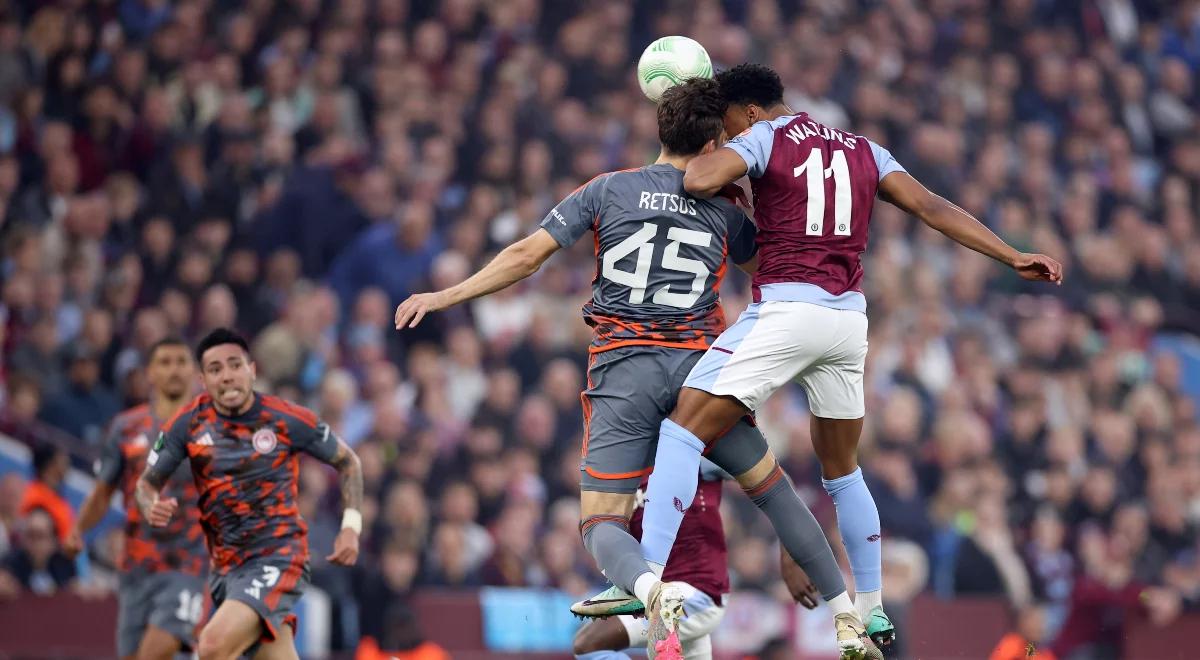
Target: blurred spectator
[(37, 562), (50, 465), (167, 167), (85, 405), (1026, 639)]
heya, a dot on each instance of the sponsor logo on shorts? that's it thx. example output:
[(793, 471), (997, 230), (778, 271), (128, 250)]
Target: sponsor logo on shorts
[(264, 441)]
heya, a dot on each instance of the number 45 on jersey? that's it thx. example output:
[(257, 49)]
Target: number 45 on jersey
[(641, 242)]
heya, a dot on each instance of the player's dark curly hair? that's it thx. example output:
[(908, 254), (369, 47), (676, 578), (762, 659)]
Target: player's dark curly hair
[(219, 337), (747, 84), (689, 115)]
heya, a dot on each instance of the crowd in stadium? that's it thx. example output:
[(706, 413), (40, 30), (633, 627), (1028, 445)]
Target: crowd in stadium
[(296, 168)]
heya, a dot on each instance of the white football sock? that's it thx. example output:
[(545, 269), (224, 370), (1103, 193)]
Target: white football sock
[(865, 601), (841, 603), (644, 584)]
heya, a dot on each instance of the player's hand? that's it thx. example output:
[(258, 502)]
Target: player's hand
[(1163, 605), (345, 548), (798, 583), (1038, 267), (162, 510), (411, 311), (73, 544)]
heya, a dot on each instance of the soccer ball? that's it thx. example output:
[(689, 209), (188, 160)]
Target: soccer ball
[(669, 61)]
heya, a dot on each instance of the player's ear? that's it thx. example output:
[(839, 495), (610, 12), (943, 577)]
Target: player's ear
[(710, 146)]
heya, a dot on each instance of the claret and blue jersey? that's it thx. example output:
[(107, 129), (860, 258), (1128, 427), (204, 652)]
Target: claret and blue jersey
[(812, 232)]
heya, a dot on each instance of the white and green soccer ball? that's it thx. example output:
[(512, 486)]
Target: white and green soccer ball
[(669, 61)]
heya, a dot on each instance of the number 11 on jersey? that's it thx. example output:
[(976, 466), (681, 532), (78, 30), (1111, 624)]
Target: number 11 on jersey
[(843, 203)]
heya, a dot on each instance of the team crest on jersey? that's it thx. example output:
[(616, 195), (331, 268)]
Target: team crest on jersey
[(264, 441), (141, 440)]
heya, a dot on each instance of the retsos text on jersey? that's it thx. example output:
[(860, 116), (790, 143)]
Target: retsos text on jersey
[(657, 201)]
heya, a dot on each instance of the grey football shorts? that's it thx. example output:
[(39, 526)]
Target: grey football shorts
[(630, 391), (268, 585), (171, 601)]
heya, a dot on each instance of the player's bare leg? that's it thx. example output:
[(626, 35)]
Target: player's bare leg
[(602, 639), (835, 442), (283, 648), (157, 644), (234, 628)]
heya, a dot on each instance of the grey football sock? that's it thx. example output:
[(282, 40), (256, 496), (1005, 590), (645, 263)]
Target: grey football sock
[(799, 532), (617, 553)]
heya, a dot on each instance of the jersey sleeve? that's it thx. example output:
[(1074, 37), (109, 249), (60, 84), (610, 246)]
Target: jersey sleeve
[(576, 214), (754, 146), (169, 449), (111, 462), (884, 161), (742, 246), (316, 440)]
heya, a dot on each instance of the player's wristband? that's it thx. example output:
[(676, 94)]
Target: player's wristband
[(352, 519)]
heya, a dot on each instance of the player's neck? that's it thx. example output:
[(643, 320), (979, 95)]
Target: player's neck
[(242, 410), (678, 162), (776, 111)]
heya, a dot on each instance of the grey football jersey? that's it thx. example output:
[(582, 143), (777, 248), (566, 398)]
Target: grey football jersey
[(661, 256)]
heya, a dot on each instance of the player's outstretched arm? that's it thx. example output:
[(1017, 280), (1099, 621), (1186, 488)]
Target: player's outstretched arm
[(901, 189), (706, 175), (513, 264), (350, 476)]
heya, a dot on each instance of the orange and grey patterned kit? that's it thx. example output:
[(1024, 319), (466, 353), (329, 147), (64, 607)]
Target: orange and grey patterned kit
[(162, 569), (245, 469)]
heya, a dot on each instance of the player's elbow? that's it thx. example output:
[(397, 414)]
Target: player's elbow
[(934, 211), (700, 184)]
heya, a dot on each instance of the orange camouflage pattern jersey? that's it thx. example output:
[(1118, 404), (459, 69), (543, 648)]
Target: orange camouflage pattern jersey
[(696, 331), (180, 545), (246, 471)]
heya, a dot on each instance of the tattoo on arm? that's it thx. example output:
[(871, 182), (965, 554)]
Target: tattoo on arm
[(147, 490), (350, 476)]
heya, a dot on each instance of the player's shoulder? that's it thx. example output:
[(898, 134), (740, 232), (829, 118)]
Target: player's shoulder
[(186, 413), (280, 407), (605, 180), (132, 417), (767, 128)]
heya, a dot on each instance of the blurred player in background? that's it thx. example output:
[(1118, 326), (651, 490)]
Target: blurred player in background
[(244, 452), (161, 592), (814, 190), (661, 255)]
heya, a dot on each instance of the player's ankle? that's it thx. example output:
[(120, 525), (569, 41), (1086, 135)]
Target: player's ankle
[(644, 585), (841, 604), (866, 601)]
